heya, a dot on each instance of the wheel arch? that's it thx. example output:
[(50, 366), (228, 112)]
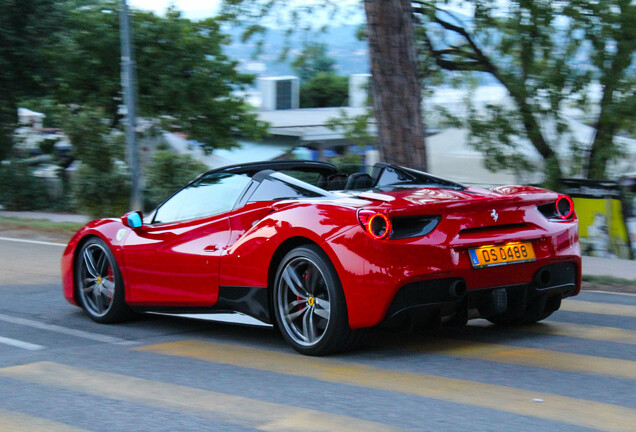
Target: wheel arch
[(117, 309), (78, 247), (76, 252), (283, 249), (344, 337)]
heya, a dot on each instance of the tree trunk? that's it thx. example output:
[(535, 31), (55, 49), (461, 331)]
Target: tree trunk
[(396, 86), (603, 146), (8, 123)]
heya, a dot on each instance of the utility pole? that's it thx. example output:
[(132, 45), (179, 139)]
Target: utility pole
[(129, 85)]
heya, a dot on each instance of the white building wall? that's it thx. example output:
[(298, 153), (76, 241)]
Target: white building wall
[(359, 90)]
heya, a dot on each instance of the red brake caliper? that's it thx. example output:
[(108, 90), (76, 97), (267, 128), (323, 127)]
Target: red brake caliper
[(110, 278), (298, 298)]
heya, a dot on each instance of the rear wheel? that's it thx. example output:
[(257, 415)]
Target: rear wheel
[(309, 304), (99, 283)]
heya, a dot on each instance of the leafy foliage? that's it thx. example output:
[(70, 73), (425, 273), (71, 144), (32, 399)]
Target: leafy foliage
[(608, 30), (168, 172), (313, 60), (182, 72), (349, 163), (48, 146), (101, 186), (397, 91), (62, 57), (21, 190), (27, 28), (101, 193), (355, 128), (307, 17), (535, 50), (324, 89)]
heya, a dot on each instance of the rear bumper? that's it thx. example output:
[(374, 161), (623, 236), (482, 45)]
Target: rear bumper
[(373, 272), (430, 300)]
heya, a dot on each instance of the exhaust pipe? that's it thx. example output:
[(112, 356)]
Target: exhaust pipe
[(457, 288), (543, 278)]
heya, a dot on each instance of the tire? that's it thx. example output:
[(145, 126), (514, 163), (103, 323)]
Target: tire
[(100, 287), (309, 304)]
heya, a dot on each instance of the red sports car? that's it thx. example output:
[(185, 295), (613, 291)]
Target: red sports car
[(323, 255)]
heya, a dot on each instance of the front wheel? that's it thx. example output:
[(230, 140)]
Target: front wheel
[(99, 283), (309, 304)]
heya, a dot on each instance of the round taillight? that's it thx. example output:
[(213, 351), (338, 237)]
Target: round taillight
[(376, 224), (564, 207)]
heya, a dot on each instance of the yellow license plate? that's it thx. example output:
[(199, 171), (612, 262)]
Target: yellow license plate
[(511, 253)]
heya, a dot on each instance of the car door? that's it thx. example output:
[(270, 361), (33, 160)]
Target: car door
[(174, 260)]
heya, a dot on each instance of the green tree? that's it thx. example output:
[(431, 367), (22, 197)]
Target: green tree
[(101, 186), (168, 172), (324, 89), (354, 128), (609, 29), (21, 190), (313, 60), (183, 74), (531, 48), (396, 88), (27, 28)]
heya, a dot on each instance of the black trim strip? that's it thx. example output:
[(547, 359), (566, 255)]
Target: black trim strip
[(252, 301)]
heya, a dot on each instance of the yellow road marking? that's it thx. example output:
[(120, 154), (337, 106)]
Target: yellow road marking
[(581, 331), (532, 357), (563, 409), (599, 308), (253, 413), (12, 422)]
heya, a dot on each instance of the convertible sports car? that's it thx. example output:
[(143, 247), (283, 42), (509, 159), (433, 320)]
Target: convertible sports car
[(323, 255)]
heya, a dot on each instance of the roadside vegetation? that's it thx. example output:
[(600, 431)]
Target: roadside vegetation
[(39, 229), (550, 57), (63, 57), (321, 86), (167, 173), (608, 283)]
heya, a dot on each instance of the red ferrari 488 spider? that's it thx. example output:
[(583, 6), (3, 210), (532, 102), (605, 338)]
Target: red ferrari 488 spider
[(323, 255)]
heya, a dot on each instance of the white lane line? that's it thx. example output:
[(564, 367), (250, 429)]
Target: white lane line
[(65, 330), (609, 292), (45, 243), (20, 344)]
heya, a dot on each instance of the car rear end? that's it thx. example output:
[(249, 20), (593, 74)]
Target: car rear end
[(436, 255)]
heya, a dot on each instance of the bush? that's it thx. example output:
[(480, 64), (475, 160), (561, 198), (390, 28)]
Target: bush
[(47, 146), (101, 186), (21, 190), (168, 172), (101, 193), (325, 89)]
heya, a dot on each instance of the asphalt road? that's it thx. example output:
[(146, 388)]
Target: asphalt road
[(59, 371)]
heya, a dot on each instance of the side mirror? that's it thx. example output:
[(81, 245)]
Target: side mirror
[(132, 219)]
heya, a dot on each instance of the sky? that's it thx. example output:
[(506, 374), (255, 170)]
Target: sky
[(193, 9), (199, 9), (353, 14)]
